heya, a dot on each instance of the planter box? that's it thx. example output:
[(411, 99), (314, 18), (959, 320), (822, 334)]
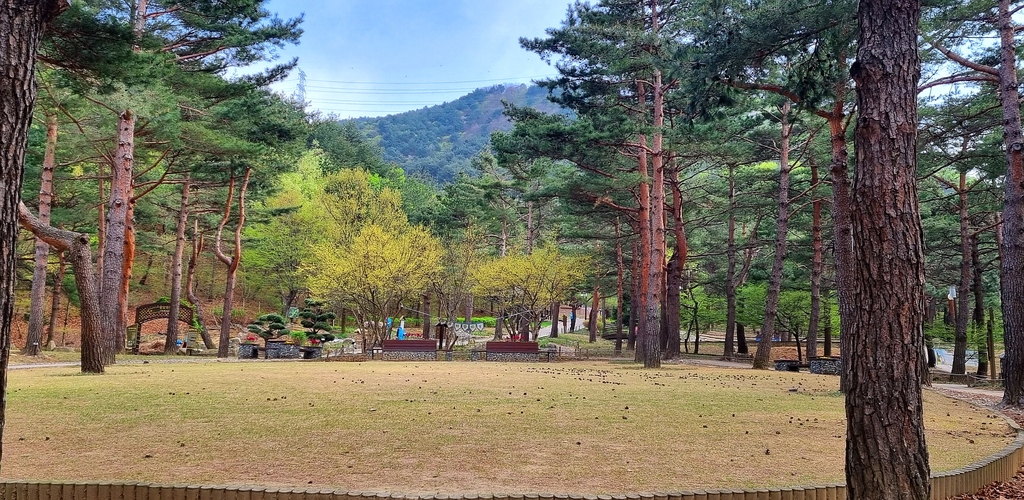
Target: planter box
[(826, 366), (281, 350), (787, 365), (248, 351)]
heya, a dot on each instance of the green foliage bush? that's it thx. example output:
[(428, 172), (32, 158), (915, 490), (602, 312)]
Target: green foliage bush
[(488, 321)]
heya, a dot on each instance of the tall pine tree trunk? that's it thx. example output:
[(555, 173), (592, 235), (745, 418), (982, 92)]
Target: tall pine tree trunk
[(112, 319), (190, 284), (425, 316), (817, 266), (555, 307), (883, 348), (674, 281), (963, 298), (643, 297), (674, 276), (618, 287), (762, 358), (38, 298), (21, 26), (594, 307), (231, 262), (730, 273), (1011, 269), (634, 299), (649, 347), (126, 271), (58, 285), (170, 347)]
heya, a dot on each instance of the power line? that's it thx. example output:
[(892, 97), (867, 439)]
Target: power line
[(337, 90), (499, 80)]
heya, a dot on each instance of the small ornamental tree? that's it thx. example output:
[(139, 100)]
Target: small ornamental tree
[(315, 320), (269, 326)]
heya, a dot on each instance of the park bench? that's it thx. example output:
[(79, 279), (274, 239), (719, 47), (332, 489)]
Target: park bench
[(409, 350), (515, 351), (409, 345)]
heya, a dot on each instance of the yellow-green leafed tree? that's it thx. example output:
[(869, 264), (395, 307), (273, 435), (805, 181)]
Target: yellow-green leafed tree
[(351, 201), (376, 272), (525, 286)]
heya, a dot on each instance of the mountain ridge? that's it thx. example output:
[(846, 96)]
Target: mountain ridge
[(438, 142)]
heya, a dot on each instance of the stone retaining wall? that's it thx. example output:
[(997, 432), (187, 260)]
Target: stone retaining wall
[(409, 355), (513, 356), (826, 366)]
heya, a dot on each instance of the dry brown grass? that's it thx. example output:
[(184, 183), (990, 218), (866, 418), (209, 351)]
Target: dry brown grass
[(450, 427)]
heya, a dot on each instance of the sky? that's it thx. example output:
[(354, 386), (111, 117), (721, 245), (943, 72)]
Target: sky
[(381, 57)]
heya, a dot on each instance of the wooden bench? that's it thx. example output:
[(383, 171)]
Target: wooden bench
[(512, 347), (409, 345), (516, 348)]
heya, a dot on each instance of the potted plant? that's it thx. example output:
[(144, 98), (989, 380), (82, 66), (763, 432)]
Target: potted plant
[(318, 330), (270, 327)]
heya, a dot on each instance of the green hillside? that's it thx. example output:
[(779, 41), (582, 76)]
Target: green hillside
[(439, 141)]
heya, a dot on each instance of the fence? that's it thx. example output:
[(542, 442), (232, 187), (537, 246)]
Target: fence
[(998, 467)]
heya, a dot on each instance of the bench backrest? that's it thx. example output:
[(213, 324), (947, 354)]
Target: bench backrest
[(513, 347), (410, 345)]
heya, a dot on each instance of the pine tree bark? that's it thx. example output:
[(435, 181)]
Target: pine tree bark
[(762, 358), (34, 339), (649, 345), (126, 273), (555, 307), (592, 320), (618, 287), (730, 273), (817, 267), (426, 317), (644, 294), (1011, 269), (76, 247), (231, 262), (634, 299), (170, 346), (826, 330), (674, 281), (58, 285), (676, 265), (883, 349), (112, 319), (21, 26), (190, 284), (842, 244), (963, 298)]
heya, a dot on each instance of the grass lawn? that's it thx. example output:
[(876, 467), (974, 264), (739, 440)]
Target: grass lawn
[(449, 427)]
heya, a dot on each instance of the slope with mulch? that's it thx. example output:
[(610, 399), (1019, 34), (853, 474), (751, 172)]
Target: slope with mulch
[(1001, 490)]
